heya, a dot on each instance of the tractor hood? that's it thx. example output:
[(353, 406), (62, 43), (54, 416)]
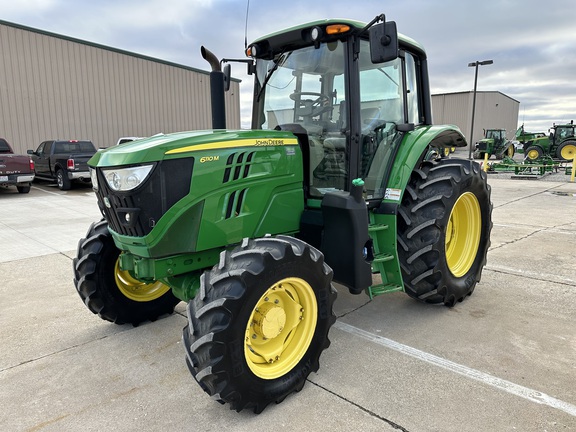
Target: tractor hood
[(168, 146)]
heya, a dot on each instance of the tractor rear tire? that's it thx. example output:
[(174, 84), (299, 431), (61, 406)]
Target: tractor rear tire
[(566, 151), (444, 224), (259, 322), (533, 153), (112, 293)]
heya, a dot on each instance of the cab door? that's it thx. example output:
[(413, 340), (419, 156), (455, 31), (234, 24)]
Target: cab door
[(42, 159)]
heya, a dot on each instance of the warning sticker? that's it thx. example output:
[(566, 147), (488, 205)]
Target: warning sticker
[(393, 194)]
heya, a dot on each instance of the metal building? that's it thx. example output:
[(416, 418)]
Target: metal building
[(494, 110), (57, 87)]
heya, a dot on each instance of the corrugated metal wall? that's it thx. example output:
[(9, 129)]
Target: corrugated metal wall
[(58, 87), (494, 110)]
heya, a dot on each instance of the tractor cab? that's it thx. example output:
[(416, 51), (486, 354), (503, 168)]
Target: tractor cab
[(494, 143), (349, 110), (559, 133), (498, 135)]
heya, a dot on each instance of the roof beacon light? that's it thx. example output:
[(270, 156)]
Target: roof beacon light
[(337, 29)]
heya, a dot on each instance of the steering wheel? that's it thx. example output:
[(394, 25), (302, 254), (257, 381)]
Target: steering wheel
[(309, 107)]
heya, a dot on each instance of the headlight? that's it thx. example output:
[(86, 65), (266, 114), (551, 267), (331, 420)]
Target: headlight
[(94, 179), (125, 179)]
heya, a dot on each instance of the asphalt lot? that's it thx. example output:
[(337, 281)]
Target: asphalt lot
[(503, 360)]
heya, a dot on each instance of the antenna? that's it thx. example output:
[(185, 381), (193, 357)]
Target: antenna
[(246, 26)]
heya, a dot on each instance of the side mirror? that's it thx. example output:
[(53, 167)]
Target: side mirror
[(383, 42), (227, 74)]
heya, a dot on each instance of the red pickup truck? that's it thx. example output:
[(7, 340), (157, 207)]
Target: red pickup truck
[(15, 170)]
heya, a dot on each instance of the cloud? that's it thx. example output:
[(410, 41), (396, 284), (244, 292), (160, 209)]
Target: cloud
[(531, 50)]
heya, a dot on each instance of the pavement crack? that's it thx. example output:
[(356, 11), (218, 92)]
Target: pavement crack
[(35, 359), (506, 243), (366, 410), (543, 278), (353, 310), (528, 196)]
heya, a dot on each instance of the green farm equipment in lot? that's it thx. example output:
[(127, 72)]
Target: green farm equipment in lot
[(560, 144), (494, 143), (521, 137), (252, 227)]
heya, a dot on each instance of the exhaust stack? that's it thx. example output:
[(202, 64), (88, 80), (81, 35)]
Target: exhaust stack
[(216, 90)]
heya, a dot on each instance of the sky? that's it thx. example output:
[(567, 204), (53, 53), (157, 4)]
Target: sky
[(531, 42)]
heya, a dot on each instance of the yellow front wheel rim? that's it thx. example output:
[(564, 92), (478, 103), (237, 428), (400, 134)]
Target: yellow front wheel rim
[(463, 234), (533, 154), (280, 328), (137, 290), (568, 152)]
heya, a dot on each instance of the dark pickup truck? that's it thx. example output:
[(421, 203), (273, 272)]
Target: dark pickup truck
[(63, 161), (15, 170)]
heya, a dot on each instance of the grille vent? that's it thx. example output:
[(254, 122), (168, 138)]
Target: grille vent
[(235, 203), (238, 166)]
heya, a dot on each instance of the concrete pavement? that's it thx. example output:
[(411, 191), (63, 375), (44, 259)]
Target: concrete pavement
[(504, 359)]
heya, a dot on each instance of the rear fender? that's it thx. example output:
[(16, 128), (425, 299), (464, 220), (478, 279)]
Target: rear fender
[(411, 152), (412, 149)]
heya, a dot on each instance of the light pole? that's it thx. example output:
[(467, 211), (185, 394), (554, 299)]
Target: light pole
[(475, 65)]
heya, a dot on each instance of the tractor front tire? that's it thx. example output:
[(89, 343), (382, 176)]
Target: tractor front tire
[(533, 153), (259, 322), (444, 224), (110, 292), (566, 151)]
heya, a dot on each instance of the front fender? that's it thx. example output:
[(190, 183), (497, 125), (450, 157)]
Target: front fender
[(413, 147)]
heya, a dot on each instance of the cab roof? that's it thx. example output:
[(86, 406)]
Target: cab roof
[(299, 36)]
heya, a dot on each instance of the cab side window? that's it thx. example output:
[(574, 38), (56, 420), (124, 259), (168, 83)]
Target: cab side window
[(413, 94), (41, 147)]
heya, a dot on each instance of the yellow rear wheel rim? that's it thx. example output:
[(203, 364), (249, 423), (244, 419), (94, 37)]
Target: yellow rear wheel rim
[(568, 152), (137, 290), (280, 328), (463, 234)]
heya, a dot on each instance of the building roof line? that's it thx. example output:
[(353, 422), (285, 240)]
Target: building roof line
[(105, 47), (477, 92)]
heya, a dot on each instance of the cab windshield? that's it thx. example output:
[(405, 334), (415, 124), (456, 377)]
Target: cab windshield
[(308, 88)]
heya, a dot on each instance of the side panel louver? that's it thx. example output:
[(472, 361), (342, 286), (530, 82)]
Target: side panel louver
[(235, 203), (237, 166)]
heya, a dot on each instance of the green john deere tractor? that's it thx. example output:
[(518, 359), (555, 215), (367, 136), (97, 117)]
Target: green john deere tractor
[(494, 143), (251, 227), (560, 144)]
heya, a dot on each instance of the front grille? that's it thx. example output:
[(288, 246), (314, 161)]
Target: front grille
[(168, 183), (482, 146)]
